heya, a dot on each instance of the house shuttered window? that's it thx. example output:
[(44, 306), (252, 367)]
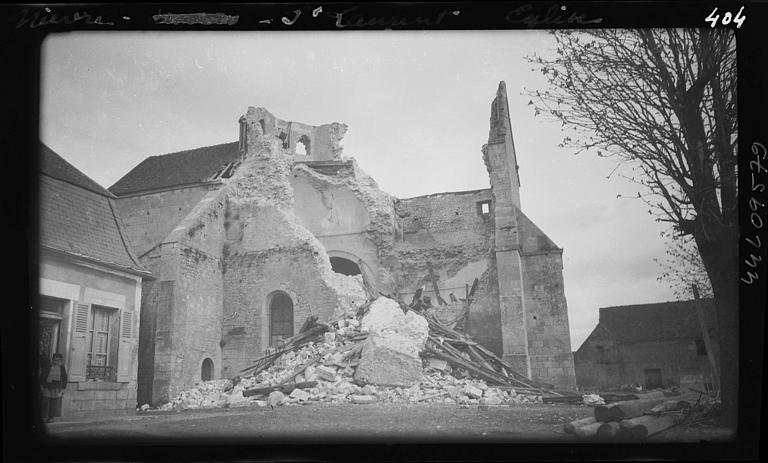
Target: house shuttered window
[(102, 344)]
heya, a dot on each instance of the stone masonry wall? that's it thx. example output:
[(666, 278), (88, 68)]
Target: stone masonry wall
[(250, 281), (623, 364), (148, 218), (549, 341)]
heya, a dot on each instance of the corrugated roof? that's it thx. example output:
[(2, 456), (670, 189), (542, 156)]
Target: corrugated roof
[(78, 217), (174, 169), (657, 322)]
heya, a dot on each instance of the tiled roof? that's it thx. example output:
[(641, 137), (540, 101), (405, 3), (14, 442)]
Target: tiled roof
[(55, 166), (78, 217), (657, 322), (181, 168)]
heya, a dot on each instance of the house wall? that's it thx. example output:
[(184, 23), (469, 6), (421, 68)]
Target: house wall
[(624, 364), (149, 218), (75, 282)]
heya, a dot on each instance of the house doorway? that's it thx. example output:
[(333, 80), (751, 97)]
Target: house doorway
[(652, 378), (49, 339)]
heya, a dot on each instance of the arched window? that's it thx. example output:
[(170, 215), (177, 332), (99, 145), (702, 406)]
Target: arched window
[(263, 127), (206, 372), (303, 146), (344, 266), (280, 318)]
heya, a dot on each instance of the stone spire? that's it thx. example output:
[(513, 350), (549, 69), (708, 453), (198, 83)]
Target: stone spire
[(499, 154)]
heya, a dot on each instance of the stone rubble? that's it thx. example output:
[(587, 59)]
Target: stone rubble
[(334, 366)]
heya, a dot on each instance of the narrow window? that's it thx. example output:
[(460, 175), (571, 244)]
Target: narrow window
[(280, 318), (484, 208), (701, 348)]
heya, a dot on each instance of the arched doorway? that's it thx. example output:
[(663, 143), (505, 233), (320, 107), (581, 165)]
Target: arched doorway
[(280, 318), (344, 266), (206, 371)]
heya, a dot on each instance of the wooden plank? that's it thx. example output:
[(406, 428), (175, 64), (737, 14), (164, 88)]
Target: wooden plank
[(433, 278)]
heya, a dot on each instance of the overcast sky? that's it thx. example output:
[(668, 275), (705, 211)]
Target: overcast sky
[(417, 105)]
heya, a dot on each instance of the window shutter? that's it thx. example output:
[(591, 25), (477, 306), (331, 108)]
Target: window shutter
[(127, 342), (79, 344)]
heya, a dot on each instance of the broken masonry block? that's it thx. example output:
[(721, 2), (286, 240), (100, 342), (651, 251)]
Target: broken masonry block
[(326, 372), (363, 399), (300, 394), (473, 392)]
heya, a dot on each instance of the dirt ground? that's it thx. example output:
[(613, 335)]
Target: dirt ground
[(327, 422)]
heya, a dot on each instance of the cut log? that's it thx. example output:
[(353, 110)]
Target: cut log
[(644, 426), (669, 405), (623, 410), (589, 430), (569, 427), (608, 430), (651, 395)]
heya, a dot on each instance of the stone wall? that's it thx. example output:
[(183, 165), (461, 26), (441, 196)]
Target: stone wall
[(624, 364), (250, 281), (149, 218), (549, 340)]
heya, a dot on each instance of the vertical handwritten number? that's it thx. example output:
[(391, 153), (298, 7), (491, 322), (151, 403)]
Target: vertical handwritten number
[(727, 18)]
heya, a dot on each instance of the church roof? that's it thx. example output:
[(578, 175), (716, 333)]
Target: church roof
[(78, 218), (176, 169), (656, 322)]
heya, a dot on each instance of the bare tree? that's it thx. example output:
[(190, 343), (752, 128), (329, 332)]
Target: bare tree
[(682, 268), (663, 103)]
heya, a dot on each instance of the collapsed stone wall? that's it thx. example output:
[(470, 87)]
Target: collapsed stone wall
[(267, 249), (379, 206)]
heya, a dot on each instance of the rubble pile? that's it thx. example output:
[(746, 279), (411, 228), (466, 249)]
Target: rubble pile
[(380, 354)]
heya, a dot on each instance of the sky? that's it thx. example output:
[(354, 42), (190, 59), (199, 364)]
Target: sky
[(417, 104)]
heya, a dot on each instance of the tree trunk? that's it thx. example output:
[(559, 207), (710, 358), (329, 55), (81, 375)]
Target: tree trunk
[(720, 258)]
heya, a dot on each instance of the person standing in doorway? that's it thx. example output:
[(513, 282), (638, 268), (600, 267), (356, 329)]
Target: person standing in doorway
[(53, 381)]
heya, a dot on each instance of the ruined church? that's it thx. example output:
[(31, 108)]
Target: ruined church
[(247, 239)]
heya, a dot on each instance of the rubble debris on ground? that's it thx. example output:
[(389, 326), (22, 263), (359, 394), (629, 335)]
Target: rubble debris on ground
[(386, 353), (645, 416)]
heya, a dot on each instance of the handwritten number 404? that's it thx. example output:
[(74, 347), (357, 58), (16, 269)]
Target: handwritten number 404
[(738, 19)]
